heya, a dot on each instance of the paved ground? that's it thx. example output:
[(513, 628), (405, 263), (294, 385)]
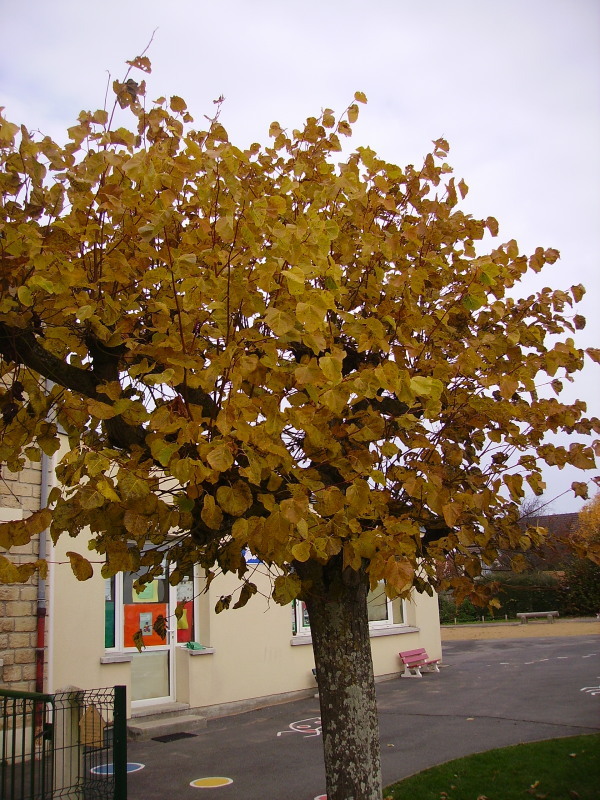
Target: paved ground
[(490, 693)]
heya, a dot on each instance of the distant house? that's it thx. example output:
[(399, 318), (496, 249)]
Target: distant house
[(554, 553), (61, 632)]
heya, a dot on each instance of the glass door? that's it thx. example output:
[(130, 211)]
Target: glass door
[(149, 615)]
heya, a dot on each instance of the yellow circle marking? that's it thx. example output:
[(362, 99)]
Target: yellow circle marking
[(210, 783)]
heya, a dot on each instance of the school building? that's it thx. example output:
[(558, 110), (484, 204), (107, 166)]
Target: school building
[(60, 632)]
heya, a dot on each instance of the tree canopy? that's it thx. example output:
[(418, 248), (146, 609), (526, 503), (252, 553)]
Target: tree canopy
[(279, 349), (260, 348)]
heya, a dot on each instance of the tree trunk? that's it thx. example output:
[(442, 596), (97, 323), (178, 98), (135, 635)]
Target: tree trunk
[(337, 608)]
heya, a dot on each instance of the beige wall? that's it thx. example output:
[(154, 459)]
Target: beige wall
[(76, 625)]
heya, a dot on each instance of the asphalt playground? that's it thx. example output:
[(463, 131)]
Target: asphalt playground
[(488, 694)]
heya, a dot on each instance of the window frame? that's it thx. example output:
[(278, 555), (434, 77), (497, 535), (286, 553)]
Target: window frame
[(301, 623)]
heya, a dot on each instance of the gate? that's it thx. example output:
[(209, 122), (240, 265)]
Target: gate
[(71, 744)]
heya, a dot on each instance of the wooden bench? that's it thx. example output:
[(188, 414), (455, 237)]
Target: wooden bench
[(416, 660), (525, 616)]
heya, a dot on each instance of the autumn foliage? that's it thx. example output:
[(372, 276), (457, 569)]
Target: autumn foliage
[(260, 348), (278, 349)]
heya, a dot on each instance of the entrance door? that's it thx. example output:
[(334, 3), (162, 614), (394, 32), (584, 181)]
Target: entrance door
[(152, 609), (153, 670)]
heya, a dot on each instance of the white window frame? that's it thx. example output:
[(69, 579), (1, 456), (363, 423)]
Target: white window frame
[(389, 620), (119, 612), (301, 626)]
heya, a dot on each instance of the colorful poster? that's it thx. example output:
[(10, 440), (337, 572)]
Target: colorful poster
[(138, 617), (146, 623), (149, 594), (185, 625)]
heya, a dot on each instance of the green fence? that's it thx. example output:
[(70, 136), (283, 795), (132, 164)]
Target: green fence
[(71, 744)]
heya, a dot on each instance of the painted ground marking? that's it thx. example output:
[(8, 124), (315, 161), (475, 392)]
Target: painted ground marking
[(210, 783), (109, 769), (308, 727), (591, 689)]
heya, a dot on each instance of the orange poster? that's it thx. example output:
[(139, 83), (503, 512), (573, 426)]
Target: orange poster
[(142, 616)]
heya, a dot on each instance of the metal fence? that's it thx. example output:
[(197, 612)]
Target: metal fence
[(71, 744)]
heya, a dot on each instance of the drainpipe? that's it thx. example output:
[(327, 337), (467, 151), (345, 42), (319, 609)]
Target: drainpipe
[(42, 605), (41, 587)]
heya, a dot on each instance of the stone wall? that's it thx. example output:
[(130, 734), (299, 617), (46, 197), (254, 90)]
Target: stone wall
[(19, 496)]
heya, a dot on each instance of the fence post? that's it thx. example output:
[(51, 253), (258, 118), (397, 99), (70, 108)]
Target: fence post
[(68, 767), (120, 742)]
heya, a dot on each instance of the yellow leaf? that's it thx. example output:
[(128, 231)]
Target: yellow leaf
[(353, 113), (20, 532), (211, 514), (286, 588), (141, 62), (360, 97), (106, 490), (15, 573), (236, 499), (246, 592), (301, 552), (274, 129), (163, 451), (136, 524), (328, 118), (279, 322), (220, 458), (82, 569), (178, 105), (427, 387), (492, 225), (451, 512), (331, 368), (25, 296), (329, 502)]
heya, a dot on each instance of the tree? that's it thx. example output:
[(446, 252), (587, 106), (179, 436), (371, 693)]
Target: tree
[(258, 348), (581, 582), (585, 539)]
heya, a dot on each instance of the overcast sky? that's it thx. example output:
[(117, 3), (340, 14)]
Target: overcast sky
[(514, 85)]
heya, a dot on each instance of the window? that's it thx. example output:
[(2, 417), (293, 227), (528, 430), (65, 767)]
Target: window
[(379, 607), (127, 611), (109, 614), (383, 612)]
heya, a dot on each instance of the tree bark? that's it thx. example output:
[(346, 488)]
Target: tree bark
[(337, 608)]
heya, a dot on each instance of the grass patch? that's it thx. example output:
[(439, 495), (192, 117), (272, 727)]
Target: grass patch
[(559, 769)]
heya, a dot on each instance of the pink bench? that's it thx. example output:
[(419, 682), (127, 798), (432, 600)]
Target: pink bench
[(415, 660)]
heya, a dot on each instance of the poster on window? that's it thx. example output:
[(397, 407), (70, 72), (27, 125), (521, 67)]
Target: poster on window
[(149, 594), (142, 617)]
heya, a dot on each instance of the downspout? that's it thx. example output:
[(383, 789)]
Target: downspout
[(41, 587), (42, 605)]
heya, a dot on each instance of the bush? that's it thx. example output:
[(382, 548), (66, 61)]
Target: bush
[(465, 612), (581, 589), (527, 591)]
